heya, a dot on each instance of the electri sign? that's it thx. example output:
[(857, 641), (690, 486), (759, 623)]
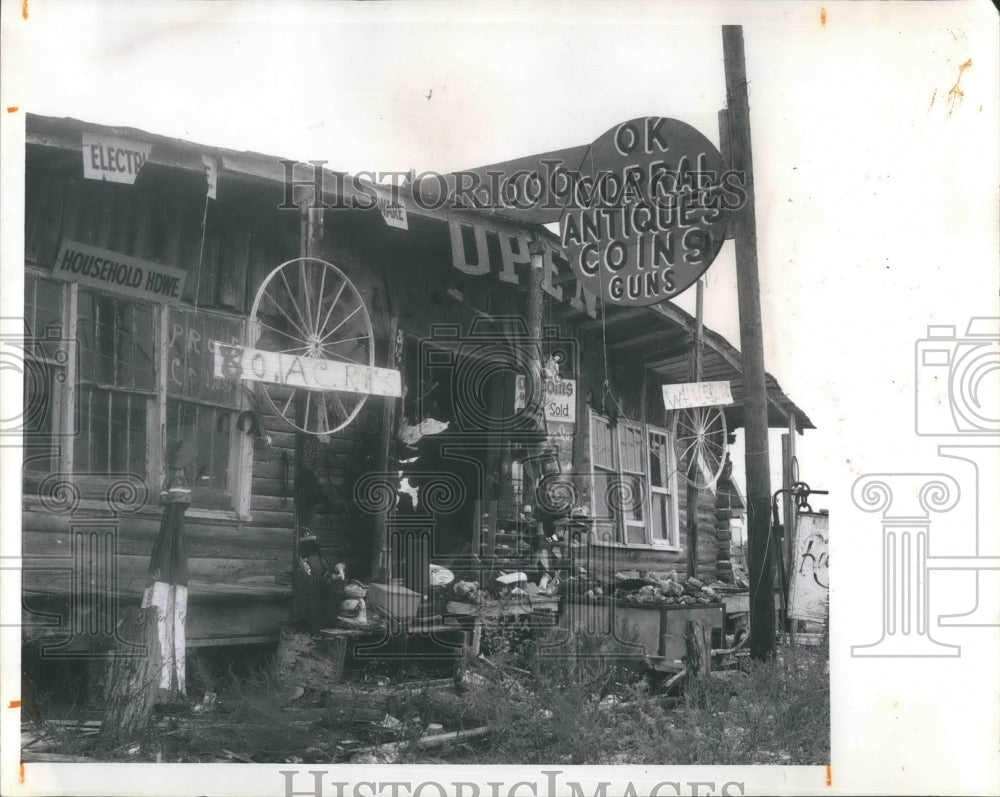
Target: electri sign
[(647, 210)]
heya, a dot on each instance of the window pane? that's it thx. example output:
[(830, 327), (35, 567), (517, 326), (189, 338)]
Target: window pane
[(660, 512), (93, 450), (137, 435), (635, 534), (143, 348), (112, 435), (603, 482), (191, 365), (601, 442), (657, 460), (632, 449), (632, 497), (208, 430), (116, 342)]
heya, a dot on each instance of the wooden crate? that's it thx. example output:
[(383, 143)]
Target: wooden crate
[(640, 630)]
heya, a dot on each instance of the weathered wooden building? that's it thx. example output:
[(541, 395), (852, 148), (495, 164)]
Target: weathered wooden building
[(143, 253)]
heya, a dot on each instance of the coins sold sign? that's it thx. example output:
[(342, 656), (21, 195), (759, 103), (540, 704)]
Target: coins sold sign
[(647, 211)]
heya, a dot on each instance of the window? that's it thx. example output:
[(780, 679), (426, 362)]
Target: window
[(201, 409), (144, 380), (116, 389), (634, 483)]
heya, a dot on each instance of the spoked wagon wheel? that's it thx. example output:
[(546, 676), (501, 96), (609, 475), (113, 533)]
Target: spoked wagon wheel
[(701, 432), (308, 308)]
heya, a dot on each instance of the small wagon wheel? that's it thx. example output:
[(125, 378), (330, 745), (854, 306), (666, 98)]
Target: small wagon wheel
[(309, 308), (701, 433)]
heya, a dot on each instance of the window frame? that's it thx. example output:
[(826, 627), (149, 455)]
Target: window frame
[(620, 524), (66, 395)]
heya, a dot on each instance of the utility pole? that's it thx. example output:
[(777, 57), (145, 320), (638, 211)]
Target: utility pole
[(762, 631)]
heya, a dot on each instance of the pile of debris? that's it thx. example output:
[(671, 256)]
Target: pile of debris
[(640, 586)]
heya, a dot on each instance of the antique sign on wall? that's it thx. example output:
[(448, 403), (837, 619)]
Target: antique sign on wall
[(645, 212), (809, 592), (118, 273), (559, 398), (312, 373), (697, 394), (116, 160)]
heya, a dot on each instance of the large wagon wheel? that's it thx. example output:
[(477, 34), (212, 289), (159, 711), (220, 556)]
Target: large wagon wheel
[(309, 308), (701, 433)]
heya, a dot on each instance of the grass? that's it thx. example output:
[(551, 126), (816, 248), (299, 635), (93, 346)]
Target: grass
[(586, 705), (593, 709)]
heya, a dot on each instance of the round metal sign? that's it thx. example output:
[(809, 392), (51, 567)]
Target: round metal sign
[(646, 213)]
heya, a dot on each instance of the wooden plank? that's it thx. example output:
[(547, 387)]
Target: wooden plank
[(131, 571), (222, 543), (34, 200), (266, 639), (49, 227)]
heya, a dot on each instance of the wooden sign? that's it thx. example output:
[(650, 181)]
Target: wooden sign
[(559, 398), (118, 273), (810, 588), (392, 208), (697, 394), (311, 373), (116, 160)]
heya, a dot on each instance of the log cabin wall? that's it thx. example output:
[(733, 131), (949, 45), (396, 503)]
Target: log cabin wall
[(239, 537)]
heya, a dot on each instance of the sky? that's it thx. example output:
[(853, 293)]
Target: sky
[(874, 127)]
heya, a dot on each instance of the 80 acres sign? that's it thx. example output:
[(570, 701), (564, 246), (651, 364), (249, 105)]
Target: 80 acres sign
[(647, 211)]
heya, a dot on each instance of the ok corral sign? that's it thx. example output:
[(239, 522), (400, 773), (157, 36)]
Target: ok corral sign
[(311, 373), (647, 211)]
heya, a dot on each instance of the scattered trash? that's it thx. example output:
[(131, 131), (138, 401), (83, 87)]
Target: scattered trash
[(207, 703)]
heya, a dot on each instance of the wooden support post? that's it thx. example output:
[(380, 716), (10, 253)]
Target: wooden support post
[(381, 567), (697, 658), (310, 245), (693, 493), (762, 631), (788, 476), (533, 318)]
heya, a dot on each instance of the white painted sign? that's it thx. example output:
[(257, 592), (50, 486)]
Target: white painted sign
[(211, 174), (393, 212), (112, 271), (116, 160), (311, 373), (559, 399), (696, 394), (809, 592)]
